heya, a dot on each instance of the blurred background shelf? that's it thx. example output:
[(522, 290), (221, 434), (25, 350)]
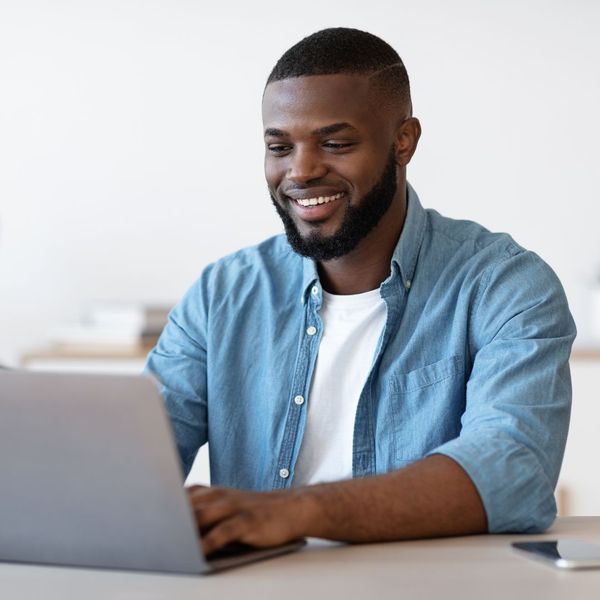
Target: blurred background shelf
[(585, 353), (93, 360)]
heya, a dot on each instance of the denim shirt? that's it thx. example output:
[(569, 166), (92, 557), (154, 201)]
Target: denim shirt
[(472, 363)]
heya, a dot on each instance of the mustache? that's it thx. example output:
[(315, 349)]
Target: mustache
[(314, 183)]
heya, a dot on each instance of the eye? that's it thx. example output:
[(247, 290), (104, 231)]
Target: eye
[(278, 149), (337, 146)]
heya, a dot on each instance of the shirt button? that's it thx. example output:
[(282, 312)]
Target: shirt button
[(408, 284), (311, 330), (315, 291), (299, 400), (284, 473)]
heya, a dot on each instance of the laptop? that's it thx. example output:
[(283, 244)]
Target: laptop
[(91, 477)]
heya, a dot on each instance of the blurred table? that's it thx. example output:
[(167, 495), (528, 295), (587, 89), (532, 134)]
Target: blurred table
[(475, 567)]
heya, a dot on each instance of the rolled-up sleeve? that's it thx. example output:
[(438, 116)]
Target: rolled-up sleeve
[(518, 399), (179, 363)]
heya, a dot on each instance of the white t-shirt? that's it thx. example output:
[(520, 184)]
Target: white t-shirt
[(352, 326)]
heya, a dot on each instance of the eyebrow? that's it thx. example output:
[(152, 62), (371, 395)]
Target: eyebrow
[(326, 130), (334, 128), (271, 131)]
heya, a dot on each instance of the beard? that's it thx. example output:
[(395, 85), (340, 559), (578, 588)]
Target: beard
[(357, 221)]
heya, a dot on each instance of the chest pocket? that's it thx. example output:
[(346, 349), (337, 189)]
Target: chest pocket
[(425, 408)]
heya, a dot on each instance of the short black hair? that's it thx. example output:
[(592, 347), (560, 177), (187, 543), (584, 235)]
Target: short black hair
[(348, 51)]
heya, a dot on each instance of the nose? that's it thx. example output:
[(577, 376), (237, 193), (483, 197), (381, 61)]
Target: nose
[(305, 165)]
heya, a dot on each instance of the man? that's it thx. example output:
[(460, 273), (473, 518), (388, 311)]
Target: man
[(381, 372)]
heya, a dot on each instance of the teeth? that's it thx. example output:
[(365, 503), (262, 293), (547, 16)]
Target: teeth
[(319, 200)]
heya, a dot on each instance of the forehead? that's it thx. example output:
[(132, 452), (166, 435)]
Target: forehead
[(318, 100)]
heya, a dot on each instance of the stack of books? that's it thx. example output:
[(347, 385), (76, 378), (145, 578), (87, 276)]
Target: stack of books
[(117, 328)]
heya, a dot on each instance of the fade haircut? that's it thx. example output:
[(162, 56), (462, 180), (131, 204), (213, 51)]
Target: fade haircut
[(341, 50)]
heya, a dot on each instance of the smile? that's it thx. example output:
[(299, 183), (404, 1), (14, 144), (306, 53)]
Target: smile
[(319, 200)]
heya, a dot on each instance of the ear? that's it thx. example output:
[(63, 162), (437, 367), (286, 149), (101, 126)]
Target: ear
[(407, 138)]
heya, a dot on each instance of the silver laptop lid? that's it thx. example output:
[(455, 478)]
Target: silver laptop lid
[(90, 475)]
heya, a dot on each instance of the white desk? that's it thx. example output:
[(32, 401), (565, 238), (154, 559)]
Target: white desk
[(478, 567)]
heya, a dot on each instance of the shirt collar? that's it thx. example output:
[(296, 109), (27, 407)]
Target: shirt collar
[(406, 251), (408, 246)]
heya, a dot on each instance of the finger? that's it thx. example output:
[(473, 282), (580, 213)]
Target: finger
[(198, 494), (226, 532), (266, 536), (208, 514)]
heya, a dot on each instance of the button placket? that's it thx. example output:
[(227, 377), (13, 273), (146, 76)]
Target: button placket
[(300, 381)]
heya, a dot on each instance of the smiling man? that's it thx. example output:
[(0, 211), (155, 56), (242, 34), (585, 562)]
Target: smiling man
[(380, 372)]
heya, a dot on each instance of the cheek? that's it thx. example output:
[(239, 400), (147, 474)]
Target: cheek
[(363, 173), (274, 172)]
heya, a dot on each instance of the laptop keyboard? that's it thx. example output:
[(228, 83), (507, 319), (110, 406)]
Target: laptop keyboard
[(231, 550)]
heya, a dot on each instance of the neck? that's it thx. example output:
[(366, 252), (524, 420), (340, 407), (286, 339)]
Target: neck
[(368, 265)]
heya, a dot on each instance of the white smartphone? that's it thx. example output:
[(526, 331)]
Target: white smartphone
[(564, 554)]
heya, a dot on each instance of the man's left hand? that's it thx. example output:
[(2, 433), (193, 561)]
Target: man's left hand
[(261, 519)]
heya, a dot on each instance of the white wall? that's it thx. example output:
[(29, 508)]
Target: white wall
[(130, 136)]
